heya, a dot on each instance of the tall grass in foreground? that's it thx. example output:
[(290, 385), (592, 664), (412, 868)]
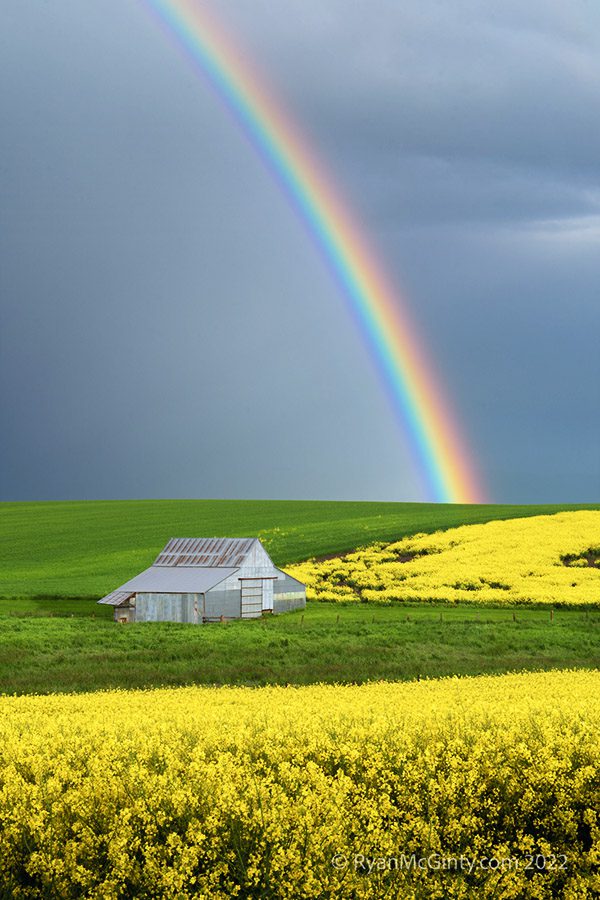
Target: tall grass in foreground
[(50, 646)]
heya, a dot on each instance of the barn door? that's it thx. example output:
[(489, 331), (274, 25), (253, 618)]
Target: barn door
[(251, 597)]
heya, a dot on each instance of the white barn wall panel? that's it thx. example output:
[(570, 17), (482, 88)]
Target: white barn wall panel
[(268, 594), (288, 594), (168, 608), (219, 603)]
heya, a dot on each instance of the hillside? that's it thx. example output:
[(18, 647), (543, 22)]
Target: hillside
[(85, 548)]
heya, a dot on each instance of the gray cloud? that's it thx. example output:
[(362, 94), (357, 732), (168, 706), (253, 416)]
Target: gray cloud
[(167, 327), (505, 100)]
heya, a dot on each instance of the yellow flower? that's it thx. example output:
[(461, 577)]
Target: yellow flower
[(543, 559), (279, 792)]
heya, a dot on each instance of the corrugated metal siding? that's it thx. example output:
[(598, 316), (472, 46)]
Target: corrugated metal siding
[(286, 584), (205, 552), (233, 581), (288, 594), (258, 557), (268, 593), (287, 602), (168, 608), (219, 603)]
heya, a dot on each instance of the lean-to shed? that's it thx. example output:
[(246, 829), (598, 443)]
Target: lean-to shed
[(205, 579)]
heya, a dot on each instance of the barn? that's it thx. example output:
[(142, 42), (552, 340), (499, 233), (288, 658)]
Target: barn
[(205, 580)]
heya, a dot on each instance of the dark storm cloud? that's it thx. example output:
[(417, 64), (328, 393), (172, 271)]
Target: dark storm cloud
[(505, 99), (168, 329)]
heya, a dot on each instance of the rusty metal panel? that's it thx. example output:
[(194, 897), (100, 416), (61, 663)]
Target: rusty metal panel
[(204, 552)]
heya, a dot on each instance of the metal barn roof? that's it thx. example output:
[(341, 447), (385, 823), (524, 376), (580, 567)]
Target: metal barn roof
[(115, 598), (177, 580), (203, 552)]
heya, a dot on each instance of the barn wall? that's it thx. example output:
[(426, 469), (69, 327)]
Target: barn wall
[(229, 584), (218, 602), (286, 584), (288, 594), (258, 558), (233, 582), (168, 607), (288, 602), (257, 565)]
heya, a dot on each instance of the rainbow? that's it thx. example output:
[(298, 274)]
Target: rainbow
[(417, 397)]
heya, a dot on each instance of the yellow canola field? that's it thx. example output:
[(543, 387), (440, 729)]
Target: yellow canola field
[(514, 561), (312, 792)]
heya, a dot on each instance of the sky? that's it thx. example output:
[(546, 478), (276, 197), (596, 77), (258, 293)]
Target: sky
[(167, 328)]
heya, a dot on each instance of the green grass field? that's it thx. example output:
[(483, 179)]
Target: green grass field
[(57, 556), (87, 548), (73, 645)]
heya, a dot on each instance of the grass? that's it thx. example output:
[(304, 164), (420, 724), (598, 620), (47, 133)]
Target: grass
[(55, 555), (50, 645), (87, 548)]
